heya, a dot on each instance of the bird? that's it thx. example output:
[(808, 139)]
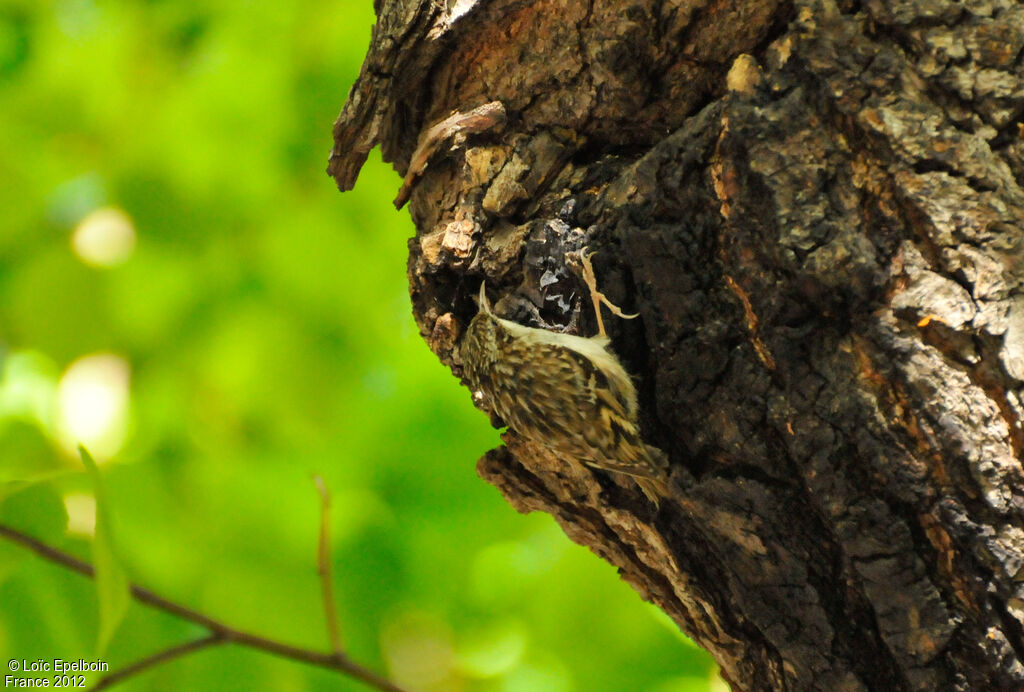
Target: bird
[(569, 393)]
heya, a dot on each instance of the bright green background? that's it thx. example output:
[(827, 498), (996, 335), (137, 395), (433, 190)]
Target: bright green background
[(268, 329)]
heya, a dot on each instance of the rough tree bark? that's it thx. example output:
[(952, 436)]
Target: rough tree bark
[(816, 207)]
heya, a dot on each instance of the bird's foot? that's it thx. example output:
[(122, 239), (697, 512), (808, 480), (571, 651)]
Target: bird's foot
[(581, 259)]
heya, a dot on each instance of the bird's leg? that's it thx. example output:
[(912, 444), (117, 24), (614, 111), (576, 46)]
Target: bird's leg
[(587, 271)]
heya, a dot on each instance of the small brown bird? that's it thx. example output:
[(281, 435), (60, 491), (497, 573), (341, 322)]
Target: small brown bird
[(569, 393)]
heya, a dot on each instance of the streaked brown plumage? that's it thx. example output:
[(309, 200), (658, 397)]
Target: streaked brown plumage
[(569, 393)]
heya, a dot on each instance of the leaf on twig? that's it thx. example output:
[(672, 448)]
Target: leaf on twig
[(111, 581)]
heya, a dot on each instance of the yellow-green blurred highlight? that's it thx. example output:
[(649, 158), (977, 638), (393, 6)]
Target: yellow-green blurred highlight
[(183, 290), (104, 238)]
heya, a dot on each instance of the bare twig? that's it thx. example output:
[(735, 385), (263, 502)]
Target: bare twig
[(156, 659), (324, 566), (332, 661)]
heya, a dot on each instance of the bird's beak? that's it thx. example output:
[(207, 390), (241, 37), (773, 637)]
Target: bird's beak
[(482, 299)]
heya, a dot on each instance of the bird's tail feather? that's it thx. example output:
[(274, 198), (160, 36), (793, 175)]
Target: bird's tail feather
[(654, 488)]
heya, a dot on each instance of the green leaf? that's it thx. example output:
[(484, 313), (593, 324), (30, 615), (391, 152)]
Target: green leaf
[(26, 457), (112, 587), (36, 509)]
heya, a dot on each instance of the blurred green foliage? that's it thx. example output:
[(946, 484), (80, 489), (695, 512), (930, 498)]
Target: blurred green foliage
[(263, 323)]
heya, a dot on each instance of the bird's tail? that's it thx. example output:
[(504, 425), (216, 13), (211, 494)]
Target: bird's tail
[(654, 488), (655, 485)]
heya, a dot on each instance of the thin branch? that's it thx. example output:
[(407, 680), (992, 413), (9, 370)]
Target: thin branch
[(324, 566), (156, 659), (332, 661)]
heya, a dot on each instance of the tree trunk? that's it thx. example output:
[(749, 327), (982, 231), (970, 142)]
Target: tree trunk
[(817, 210)]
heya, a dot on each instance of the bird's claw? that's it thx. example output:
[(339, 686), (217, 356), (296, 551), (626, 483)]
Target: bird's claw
[(586, 268)]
